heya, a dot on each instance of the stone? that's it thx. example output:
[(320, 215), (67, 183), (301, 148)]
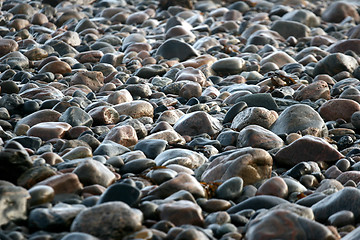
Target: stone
[(93, 172), (233, 111), (314, 91), (40, 195), (124, 135), (94, 80), (121, 192), (34, 175), (300, 227), (258, 137), (110, 149), (75, 116), (279, 58), (274, 186), (345, 45), (230, 189), (229, 66), (183, 181), (299, 117), (7, 46), (311, 148), (170, 116), (264, 100), (65, 183), (335, 63), (117, 220), (196, 123), (338, 11), (104, 115), (345, 199), (13, 207), (56, 67), (254, 116), (257, 202), (173, 48), (135, 109), (338, 108), (193, 159), (251, 164), (151, 147), (49, 130), (79, 236), (181, 212), (191, 74), (303, 16)]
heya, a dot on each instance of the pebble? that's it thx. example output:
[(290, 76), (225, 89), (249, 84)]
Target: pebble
[(254, 116), (258, 137)]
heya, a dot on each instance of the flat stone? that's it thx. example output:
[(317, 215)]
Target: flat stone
[(314, 91), (311, 148), (264, 100), (151, 147), (287, 28), (338, 11), (49, 130), (258, 137)]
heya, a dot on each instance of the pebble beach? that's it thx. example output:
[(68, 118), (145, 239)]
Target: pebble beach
[(179, 120)]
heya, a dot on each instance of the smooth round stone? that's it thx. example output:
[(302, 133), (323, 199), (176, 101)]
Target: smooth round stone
[(229, 66), (312, 148), (196, 123), (314, 91), (230, 189), (335, 63), (264, 100), (14, 200), (65, 183), (79, 236), (288, 28), (9, 87), (94, 80), (151, 147), (338, 11), (181, 212), (173, 48), (120, 219), (121, 192), (191, 74), (309, 181), (41, 194), (120, 96), (349, 175), (303, 16), (259, 137), (183, 157), (339, 108), (34, 175), (257, 202), (77, 153), (7, 46), (124, 135), (270, 226), (42, 93), (233, 111), (139, 90), (110, 149), (135, 109), (191, 89), (275, 186), (170, 116), (137, 166), (183, 181), (179, 32), (75, 116), (256, 167), (345, 199), (215, 205), (49, 130), (56, 67), (150, 71), (220, 217), (93, 172), (353, 235), (341, 218), (159, 176), (11, 102), (345, 45), (279, 58), (133, 38), (254, 116), (329, 186), (228, 138), (299, 117)]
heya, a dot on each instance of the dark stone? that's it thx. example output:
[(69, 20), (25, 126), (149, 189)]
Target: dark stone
[(256, 203), (121, 192), (151, 147)]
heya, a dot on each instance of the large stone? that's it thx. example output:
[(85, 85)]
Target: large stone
[(259, 137), (49, 130), (124, 135), (338, 108), (307, 148), (314, 91), (135, 109), (173, 48), (254, 116), (299, 117), (94, 80), (251, 164), (275, 224), (111, 220), (303, 16), (229, 66), (335, 63), (75, 116), (196, 123), (288, 28), (193, 159), (338, 11), (345, 45)]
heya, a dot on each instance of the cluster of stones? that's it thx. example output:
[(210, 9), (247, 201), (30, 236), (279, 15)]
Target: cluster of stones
[(179, 119)]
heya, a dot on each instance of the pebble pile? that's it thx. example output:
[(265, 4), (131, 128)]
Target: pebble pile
[(179, 120)]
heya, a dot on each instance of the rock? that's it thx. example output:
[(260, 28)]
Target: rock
[(7, 46), (288, 28), (79, 236), (121, 192), (229, 66), (339, 108), (58, 218), (303, 16), (124, 135), (274, 186), (257, 202), (196, 123), (353, 235), (338, 11), (94, 80), (230, 189), (258, 137), (173, 48), (56, 67), (192, 74), (65, 183), (233, 111), (181, 212), (13, 205), (193, 159), (264, 100), (311, 148), (314, 91), (135, 109), (93, 172), (299, 117), (300, 226), (165, 4), (117, 220), (254, 116), (14, 161), (279, 58), (110, 149), (345, 199), (335, 63), (251, 164), (151, 147), (75, 116), (41, 194), (44, 115), (345, 45), (49, 130), (103, 115), (182, 181)]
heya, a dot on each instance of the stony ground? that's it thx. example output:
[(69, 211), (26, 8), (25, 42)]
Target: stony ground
[(179, 119)]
